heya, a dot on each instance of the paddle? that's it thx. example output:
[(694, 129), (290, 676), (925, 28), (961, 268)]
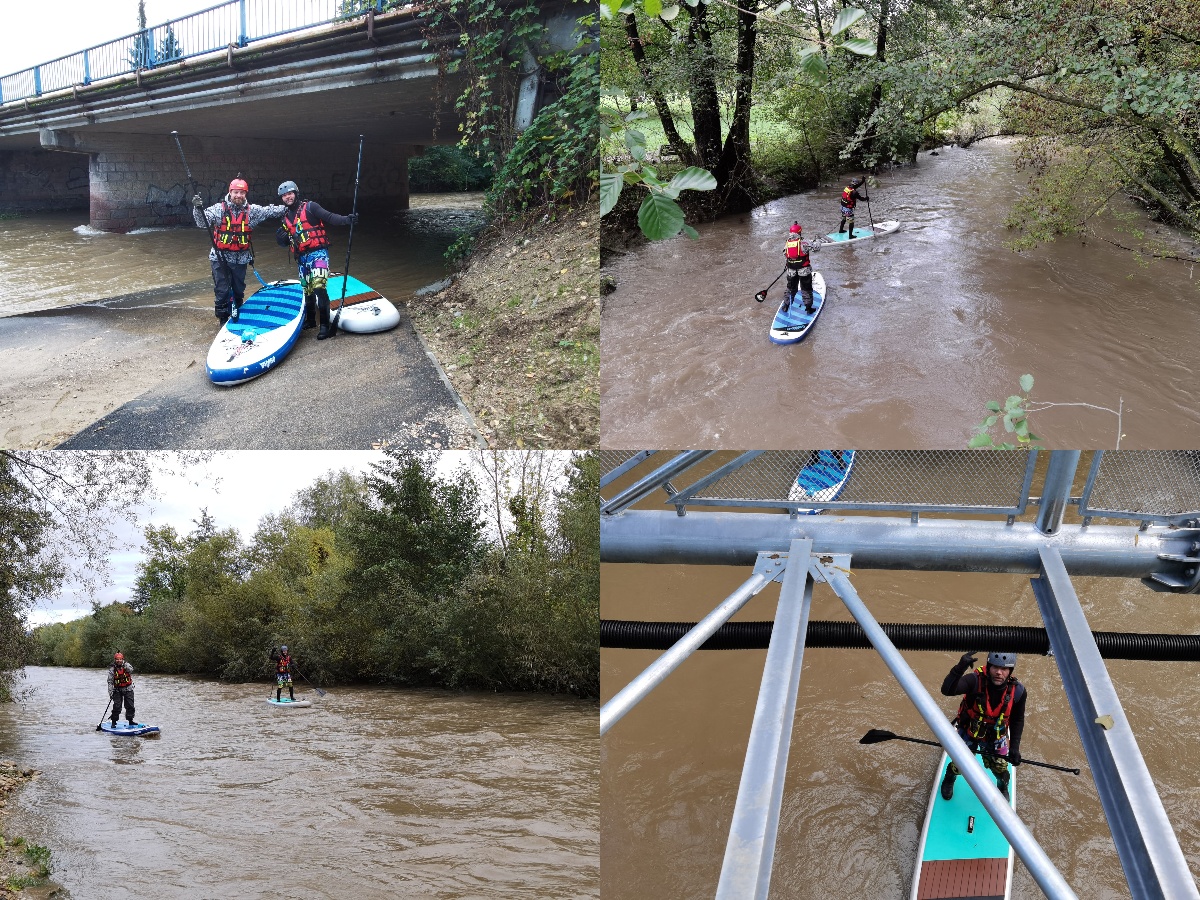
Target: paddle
[(875, 736), (100, 724), (195, 190), (349, 243), (762, 295), (869, 216), (320, 693)]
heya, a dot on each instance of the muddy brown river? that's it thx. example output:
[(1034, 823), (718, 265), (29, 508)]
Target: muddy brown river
[(371, 793), (922, 329)]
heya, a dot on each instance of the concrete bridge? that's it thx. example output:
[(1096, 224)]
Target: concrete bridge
[(289, 107)]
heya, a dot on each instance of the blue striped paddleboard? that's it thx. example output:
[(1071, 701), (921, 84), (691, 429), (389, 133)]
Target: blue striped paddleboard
[(266, 328), (793, 326), (135, 729), (861, 234), (822, 479), (962, 853)]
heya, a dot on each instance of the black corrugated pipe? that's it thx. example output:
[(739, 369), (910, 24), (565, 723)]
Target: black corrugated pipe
[(616, 633)]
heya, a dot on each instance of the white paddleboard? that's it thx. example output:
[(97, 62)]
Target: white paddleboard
[(366, 311), (861, 234), (290, 704), (266, 328), (822, 479)]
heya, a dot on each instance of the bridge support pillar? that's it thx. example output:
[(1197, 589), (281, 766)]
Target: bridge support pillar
[(138, 180)]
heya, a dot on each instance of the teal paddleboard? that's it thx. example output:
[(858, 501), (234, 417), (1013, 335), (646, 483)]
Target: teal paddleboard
[(962, 854), (861, 234)]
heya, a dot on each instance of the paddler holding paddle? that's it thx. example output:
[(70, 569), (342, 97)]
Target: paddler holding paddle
[(120, 689), (991, 717), (799, 268), (849, 199), (283, 672), (303, 230), (231, 222)]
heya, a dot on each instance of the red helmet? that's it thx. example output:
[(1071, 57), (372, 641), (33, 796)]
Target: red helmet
[(238, 185), (118, 656), (795, 228)]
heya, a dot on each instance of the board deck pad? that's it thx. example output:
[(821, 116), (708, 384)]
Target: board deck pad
[(793, 326), (293, 704), (824, 478), (861, 234), (955, 862), (131, 730)]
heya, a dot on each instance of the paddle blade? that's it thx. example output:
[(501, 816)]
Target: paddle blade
[(875, 736), (760, 296), (320, 693)]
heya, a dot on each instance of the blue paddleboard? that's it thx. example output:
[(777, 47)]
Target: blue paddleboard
[(822, 479), (861, 234), (793, 326), (266, 328), (962, 852), (135, 729)]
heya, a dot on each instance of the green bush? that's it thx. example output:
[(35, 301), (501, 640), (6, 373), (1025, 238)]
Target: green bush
[(448, 169)]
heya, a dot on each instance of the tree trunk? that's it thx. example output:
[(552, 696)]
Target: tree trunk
[(702, 89), (877, 93), (660, 101), (734, 173)]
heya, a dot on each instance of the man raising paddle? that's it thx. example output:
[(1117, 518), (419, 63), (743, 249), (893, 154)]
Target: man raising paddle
[(991, 716)]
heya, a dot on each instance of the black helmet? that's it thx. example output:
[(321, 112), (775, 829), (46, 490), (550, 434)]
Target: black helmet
[(289, 187), (857, 181), (1003, 660)]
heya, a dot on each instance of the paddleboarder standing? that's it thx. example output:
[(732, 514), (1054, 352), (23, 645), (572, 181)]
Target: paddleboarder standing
[(231, 221), (283, 671), (850, 198), (991, 716), (303, 230), (120, 688), (799, 268)]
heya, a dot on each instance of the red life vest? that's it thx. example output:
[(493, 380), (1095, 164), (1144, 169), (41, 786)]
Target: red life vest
[(976, 715), (305, 234), (795, 253), (233, 233), (283, 664), (121, 677), (849, 197)]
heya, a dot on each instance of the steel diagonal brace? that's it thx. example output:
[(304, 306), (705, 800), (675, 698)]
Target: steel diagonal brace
[(1155, 867), (835, 570), (750, 851)]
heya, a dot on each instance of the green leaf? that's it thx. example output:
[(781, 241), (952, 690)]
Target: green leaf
[(1008, 423), (980, 440), (1023, 430), (809, 49), (783, 7), (693, 178), (653, 7), (993, 406), (691, 232), (861, 46), (1027, 383), (610, 8), (845, 18), (634, 115), (660, 217), (636, 142), (610, 191), (813, 64), (669, 13), (1014, 402), (988, 422)]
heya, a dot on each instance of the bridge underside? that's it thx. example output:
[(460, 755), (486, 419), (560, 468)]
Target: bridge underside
[(287, 109)]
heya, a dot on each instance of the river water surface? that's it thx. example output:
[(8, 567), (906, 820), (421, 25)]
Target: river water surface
[(922, 329), (371, 793)]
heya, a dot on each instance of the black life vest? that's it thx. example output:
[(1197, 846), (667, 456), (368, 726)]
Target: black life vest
[(976, 715), (121, 677), (233, 232), (849, 197), (796, 253), (305, 235)]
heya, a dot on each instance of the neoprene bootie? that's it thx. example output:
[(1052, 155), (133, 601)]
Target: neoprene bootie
[(948, 785), (323, 313)]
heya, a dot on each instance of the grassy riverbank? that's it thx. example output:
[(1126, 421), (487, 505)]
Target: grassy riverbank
[(518, 333), (24, 867)]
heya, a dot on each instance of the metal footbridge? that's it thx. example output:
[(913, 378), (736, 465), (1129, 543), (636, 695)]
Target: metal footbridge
[(959, 511)]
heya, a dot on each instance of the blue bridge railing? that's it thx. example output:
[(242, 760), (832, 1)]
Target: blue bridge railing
[(237, 22)]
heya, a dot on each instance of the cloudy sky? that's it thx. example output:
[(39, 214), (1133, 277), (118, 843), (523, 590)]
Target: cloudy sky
[(237, 489), (35, 33)]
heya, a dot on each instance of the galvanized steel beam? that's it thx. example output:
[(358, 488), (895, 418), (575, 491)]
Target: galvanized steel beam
[(1049, 879), (1154, 864), (750, 850), (1056, 492), (735, 539), (656, 479)]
